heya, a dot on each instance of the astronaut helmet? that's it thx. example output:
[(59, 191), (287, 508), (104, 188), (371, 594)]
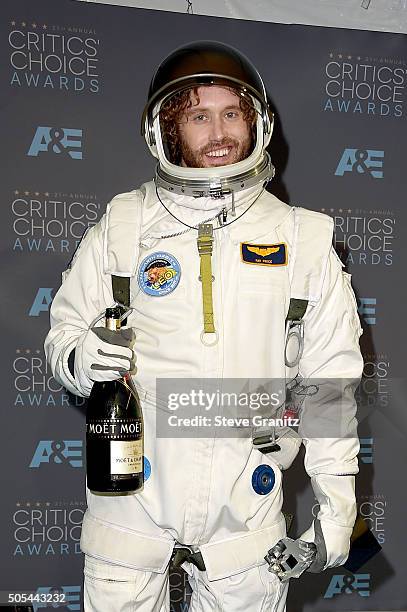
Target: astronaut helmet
[(175, 88)]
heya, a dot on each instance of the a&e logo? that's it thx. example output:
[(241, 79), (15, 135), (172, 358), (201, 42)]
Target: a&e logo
[(65, 597), (62, 141), (363, 161), (59, 452), (42, 301), (366, 450), (347, 584), (367, 310)]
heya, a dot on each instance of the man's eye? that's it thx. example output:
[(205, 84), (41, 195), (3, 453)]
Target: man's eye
[(232, 115), (199, 118)]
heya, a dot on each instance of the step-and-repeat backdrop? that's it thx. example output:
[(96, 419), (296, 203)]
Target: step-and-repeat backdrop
[(74, 78)]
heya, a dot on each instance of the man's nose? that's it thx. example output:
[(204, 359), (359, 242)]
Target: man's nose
[(217, 128)]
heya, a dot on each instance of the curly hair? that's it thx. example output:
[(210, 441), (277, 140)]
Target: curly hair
[(173, 109)]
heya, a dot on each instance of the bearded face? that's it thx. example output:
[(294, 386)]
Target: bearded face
[(213, 130)]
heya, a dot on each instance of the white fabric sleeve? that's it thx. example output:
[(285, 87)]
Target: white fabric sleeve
[(84, 294), (333, 362)]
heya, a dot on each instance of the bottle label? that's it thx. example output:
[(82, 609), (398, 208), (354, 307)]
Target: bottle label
[(119, 429), (126, 457)]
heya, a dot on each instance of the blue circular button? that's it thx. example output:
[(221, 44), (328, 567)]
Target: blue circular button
[(263, 479), (147, 468)]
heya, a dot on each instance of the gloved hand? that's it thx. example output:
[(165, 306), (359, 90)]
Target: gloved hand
[(290, 558), (103, 354), (317, 537)]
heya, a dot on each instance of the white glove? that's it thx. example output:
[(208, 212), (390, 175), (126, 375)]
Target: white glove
[(102, 354), (332, 529)]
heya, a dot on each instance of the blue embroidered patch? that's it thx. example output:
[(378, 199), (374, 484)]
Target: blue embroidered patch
[(159, 274), (264, 254)]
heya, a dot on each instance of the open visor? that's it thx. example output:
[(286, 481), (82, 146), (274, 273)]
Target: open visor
[(188, 133)]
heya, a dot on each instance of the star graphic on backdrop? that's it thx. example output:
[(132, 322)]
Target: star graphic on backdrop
[(340, 55), (27, 351), (23, 24), (16, 192), (349, 210), (331, 209), (359, 58), (13, 23), (34, 25), (37, 193), (331, 55), (349, 57), (44, 27), (27, 193), (340, 210), (46, 194), (18, 351), (18, 504)]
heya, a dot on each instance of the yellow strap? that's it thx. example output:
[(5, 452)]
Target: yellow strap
[(205, 242)]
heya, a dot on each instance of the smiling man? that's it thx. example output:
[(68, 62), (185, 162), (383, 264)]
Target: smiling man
[(209, 126), (224, 283)]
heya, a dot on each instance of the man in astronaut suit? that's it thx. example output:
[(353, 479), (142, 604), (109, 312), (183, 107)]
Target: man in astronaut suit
[(240, 259)]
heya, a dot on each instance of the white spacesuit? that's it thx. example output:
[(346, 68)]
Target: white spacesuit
[(200, 492)]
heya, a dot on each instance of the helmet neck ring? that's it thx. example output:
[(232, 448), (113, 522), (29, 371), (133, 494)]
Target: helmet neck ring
[(216, 187)]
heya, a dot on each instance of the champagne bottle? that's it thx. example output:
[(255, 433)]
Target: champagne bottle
[(114, 432)]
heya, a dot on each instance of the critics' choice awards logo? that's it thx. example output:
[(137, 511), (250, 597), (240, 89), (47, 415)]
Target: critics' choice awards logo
[(58, 452), (34, 385), (361, 161), (180, 591), (346, 584), (51, 221), (374, 389), (356, 85), (53, 57), (47, 529), (364, 237), (68, 596), (66, 142), (373, 509)]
